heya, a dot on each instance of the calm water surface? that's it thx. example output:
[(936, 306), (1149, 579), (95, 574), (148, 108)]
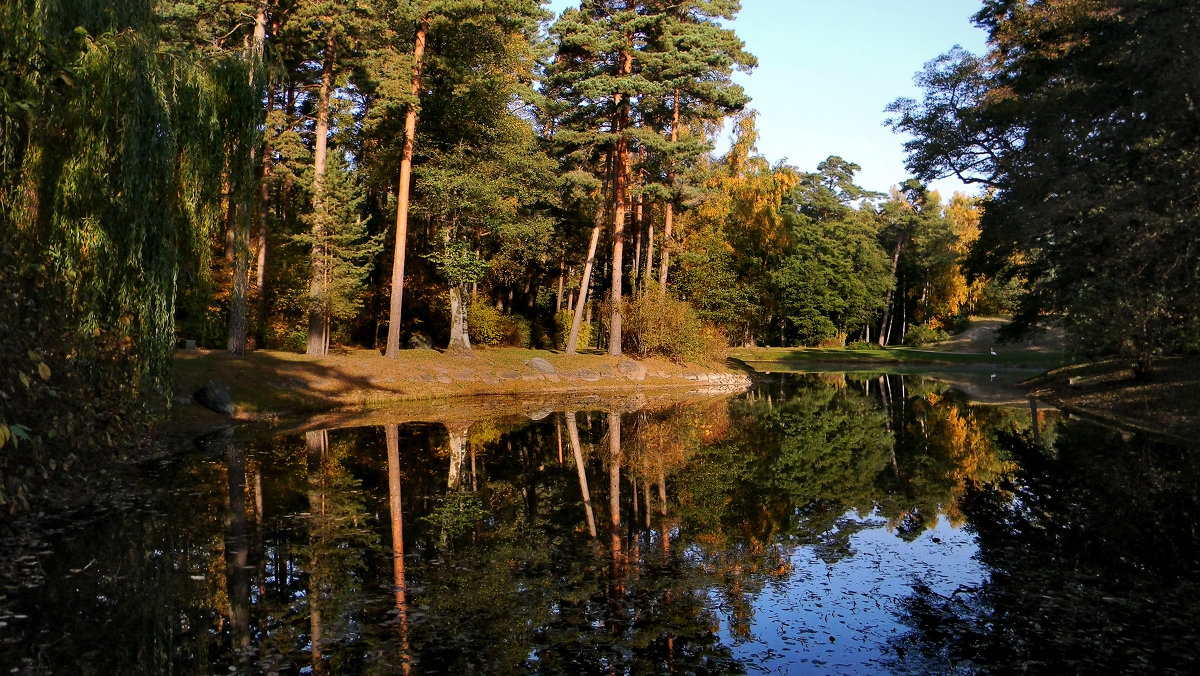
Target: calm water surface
[(817, 524)]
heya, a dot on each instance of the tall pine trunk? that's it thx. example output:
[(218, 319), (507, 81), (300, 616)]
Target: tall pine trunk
[(318, 309), (263, 216), (240, 203), (620, 196), (410, 132), (669, 212)]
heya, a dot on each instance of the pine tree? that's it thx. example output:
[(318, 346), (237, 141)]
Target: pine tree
[(617, 63), (338, 234)]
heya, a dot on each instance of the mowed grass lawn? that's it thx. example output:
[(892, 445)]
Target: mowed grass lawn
[(895, 355), (977, 345)]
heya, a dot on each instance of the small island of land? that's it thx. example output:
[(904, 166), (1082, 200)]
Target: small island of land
[(278, 386), (268, 385)]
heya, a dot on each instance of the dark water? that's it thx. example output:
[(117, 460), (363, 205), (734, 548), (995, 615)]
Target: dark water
[(819, 524)]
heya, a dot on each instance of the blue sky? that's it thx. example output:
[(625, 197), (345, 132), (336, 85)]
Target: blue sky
[(827, 68)]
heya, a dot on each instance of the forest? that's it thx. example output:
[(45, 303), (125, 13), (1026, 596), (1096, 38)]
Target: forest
[(307, 174)]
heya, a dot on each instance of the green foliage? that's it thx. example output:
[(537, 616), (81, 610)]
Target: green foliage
[(1072, 121), (836, 275), (117, 180), (457, 262), (456, 514), (923, 334), (490, 326), (342, 249), (487, 323)]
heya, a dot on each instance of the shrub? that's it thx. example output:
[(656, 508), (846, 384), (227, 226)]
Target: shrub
[(716, 343), (294, 340), (657, 324), (485, 324), (562, 330), (922, 334), (518, 331), (861, 345), (836, 340)]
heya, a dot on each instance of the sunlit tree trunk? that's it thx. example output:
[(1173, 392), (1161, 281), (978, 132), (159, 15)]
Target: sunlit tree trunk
[(318, 312), (669, 207), (637, 248), (885, 327), (263, 217), (562, 274), (240, 206), (459, 337), (620, 197), (410, 133), (585, 282), (649, 273), (230, 209), (392, 432), (238, 327)]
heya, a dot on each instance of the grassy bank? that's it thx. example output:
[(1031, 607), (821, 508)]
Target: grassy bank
[(999, 358), (1166, 402), (268, 384)]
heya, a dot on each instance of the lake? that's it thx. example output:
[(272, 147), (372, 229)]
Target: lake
[(823, 523)]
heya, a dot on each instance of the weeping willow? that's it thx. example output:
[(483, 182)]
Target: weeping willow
[(115, 154)]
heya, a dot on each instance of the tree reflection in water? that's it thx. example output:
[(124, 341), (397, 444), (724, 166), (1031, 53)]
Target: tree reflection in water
[(1094, 563), (811, 524)]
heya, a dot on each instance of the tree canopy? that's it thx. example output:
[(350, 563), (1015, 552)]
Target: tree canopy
[(1080, 120)]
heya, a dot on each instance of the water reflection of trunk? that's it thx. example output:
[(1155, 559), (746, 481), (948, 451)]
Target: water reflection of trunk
[(635, 540), (392, 432), (573, 440), (260, 547), (646, 500), (528, 480), (665, 540), (614, 501), (318, 445), (1034, 416), (665, 533), (458, 452), (885, 393), (558, 436), (237, 547)]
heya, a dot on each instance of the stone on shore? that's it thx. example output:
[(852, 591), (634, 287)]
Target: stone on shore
[(215, 396), (631, 370)]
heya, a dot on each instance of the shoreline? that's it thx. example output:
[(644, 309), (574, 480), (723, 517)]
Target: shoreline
[(280, 388)]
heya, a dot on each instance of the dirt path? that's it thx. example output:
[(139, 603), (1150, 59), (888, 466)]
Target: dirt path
[(981, 337)]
